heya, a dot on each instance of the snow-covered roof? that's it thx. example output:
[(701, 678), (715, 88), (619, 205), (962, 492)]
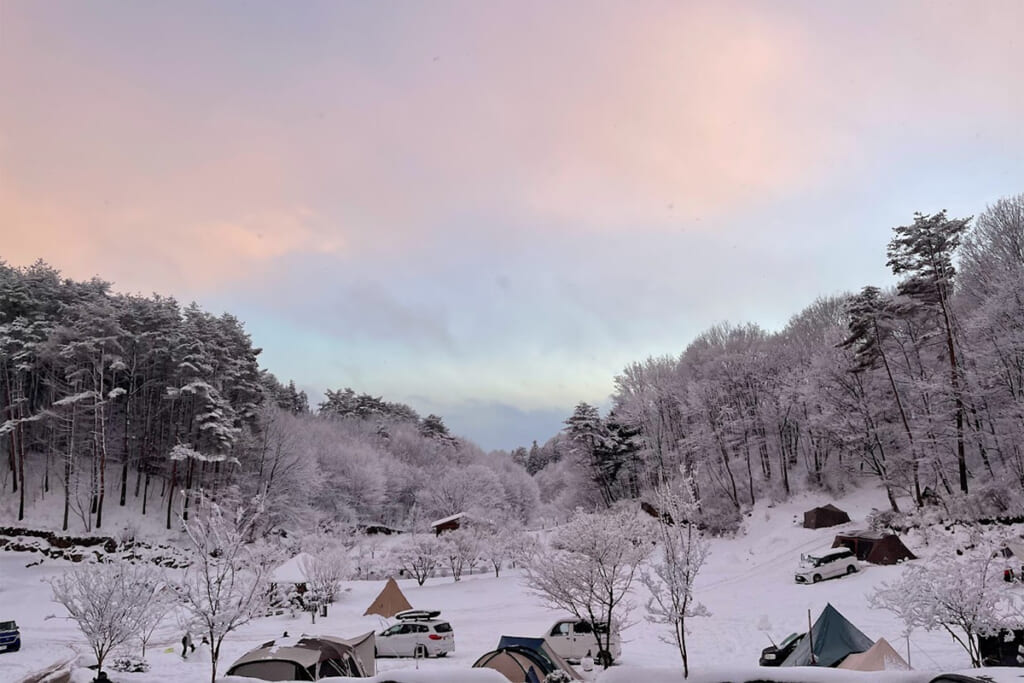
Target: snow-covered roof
[(445, 520), (293, 571)]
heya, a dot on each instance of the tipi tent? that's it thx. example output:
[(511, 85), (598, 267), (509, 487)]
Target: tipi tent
[(826, 515), (873, 547), (390, 602), (832, 639), (881, 657)]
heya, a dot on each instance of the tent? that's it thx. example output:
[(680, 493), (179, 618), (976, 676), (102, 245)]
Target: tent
[(310, 658), (294, 570), (524, 660), (880, 657), (390, 602), (874, 547), (826, 515), (832, 639)]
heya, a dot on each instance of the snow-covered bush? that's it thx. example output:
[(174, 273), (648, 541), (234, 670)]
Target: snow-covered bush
[(718, 516), (961, 594), (558, 676), (129, 664), (885, 520)]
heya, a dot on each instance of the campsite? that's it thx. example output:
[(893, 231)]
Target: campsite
[(747, 587)]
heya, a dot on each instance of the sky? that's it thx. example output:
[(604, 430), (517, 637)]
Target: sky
[(488, 209)]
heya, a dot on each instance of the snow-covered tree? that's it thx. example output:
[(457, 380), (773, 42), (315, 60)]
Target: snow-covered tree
[(418, 556), (225, 587), (963, 595), (589, 567), (461, 549), (325, 572), (110, 602), (500, 548), (671, 576)]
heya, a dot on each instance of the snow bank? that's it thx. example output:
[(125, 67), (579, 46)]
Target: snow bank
[(411, 676), (808, 674)]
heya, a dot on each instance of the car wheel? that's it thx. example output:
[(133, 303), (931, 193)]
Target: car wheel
[(852, 569), (816, 578), (421, 652), (442, 654), (604, 658)]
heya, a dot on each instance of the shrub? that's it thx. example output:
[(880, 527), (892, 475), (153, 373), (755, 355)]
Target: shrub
[(129, 664)]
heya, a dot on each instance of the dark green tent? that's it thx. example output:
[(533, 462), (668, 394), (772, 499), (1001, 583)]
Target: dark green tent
[(832, 637)]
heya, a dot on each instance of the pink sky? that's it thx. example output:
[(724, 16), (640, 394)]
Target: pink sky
[(220, 152)]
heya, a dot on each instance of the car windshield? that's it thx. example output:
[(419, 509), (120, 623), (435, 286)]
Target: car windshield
[(789, 640)]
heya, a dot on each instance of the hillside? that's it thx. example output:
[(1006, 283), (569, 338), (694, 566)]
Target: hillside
[(747, 586)]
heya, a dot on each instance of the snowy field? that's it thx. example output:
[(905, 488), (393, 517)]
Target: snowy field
[(746, 584)]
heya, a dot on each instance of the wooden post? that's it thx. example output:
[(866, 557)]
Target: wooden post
[(810, 637)]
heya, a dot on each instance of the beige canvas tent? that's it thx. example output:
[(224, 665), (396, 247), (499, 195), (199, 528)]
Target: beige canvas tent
[(390, 602), (880, 657)]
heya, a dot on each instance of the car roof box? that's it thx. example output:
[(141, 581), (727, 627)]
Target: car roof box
[(418, 614)]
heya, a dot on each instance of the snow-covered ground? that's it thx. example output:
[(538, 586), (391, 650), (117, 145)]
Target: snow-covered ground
[(747, 584)]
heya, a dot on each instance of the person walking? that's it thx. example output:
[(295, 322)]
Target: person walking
[(186, 643)]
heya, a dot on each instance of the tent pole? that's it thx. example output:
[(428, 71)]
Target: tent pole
[(810, 636)]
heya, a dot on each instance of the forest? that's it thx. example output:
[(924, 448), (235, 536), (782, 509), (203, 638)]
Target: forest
[(111, 399), (114, 399), (918, 387)]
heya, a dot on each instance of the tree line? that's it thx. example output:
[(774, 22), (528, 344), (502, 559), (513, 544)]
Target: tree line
[(919, 387), (107, 398)]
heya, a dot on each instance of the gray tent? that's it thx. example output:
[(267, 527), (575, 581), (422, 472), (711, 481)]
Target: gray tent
[(310, 658), (832, 637)]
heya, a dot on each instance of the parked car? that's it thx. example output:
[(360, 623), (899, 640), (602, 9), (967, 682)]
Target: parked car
[(10, 636), (418, 633), (776, 654), (572, 639), (827, 564)]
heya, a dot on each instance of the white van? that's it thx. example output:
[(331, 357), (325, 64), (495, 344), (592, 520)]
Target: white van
[(573, 639), (825, 565)]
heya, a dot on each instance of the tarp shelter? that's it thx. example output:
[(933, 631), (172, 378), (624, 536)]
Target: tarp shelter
[(294, 570), (874, 547), (880, 657), (390, 602), (524, 660), (832, 639), (310, 658), (826, 515)]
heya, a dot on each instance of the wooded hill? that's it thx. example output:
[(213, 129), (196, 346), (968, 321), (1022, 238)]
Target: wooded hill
[(137, 401), (919, 388)]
